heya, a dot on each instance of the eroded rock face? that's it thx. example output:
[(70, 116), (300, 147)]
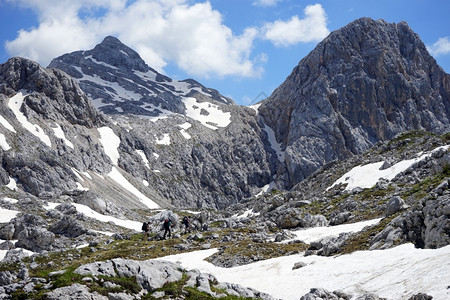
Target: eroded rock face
[(365, 82)]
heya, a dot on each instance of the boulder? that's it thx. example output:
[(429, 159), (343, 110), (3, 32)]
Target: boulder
[(150, 275), (394, 205), (319, 293), (76, 292), (35, 239), (68, 226)]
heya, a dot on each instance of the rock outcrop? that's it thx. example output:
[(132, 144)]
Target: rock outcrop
[(364, 83)]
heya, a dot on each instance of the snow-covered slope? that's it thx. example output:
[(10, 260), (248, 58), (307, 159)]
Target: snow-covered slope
[(396, 273)]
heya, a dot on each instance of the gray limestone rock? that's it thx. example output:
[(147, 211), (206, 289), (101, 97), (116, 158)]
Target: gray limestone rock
[(35, 239), (75, 291), (353, 90), (68, 226)]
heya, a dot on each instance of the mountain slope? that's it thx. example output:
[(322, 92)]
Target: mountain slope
[(54, 142), (365, 82), (118, 81)]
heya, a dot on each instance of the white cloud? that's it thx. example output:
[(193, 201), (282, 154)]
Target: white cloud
[(162, 31), (266, 3), (441, 47), (312, 28), (192, 36)]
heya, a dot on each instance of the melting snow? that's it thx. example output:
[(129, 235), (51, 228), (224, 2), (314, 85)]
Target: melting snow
[(316, 233), (395, 273), (15, 103), (118, 177), (60, 134), (368, 175), (7, 215), (101, 63), (6, 124), (273, 143), (10, 200), (246, 214), (3, 143), (266, 188), (144, 158), (213, 118), (12, 185), (165, 140), (185, 127), (110, 142), (134, 225)]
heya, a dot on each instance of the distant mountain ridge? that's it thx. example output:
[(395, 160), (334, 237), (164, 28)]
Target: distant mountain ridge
[(119, 81), (365, 82)]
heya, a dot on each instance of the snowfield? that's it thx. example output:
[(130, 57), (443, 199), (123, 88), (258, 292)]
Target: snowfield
[(368, 175), (396, 273)]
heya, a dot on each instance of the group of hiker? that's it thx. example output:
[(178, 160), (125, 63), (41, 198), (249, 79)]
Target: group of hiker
[(167, 226)]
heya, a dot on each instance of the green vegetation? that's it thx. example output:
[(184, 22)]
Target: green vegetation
[(361, 240), (420, 190)]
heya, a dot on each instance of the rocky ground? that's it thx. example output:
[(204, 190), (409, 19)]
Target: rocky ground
[(71, 257)]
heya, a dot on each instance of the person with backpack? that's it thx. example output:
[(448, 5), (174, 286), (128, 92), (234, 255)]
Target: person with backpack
[(145, 229), (167, 228), (186, 222)]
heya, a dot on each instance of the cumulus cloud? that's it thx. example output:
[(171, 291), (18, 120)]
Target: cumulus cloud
[(441, 47), (192, 36), (313, 27), (266, 3), (162, 31)]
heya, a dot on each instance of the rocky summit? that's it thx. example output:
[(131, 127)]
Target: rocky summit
[(364, 83), (349, 155)]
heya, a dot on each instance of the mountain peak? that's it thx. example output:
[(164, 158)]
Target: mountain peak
[(365, 82), (113, 52)]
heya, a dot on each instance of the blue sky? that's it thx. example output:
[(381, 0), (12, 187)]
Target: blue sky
[(243, 48)]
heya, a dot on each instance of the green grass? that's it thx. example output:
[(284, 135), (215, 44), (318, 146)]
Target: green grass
[(361, 240)]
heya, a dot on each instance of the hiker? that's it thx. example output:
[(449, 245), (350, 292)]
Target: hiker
[(186, 222), (167, 228), (145, 229)]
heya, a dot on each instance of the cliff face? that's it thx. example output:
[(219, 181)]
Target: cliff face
[(366, 82)]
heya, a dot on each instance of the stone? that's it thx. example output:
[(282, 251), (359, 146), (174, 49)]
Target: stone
[(76, 292), (69, 227), (298, 265), (394, 205)]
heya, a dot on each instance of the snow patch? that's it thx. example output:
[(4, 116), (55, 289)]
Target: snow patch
[(12, 185), (10, 200), (89, 212), (6, 124), (183, 131), (273, 143), (110, 142), (15, 103), (266, 188), (7, 215), (120, 179), (317, 233), (144, 158), (59, 133), (165, 140), (246, 214), (396, 273), (101, 63), (368, 175), (3, 143), (206, 113)]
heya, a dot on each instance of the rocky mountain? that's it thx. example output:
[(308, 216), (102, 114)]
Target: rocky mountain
[(364, 83), (198, 148), (334, 141), (118, 81)]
